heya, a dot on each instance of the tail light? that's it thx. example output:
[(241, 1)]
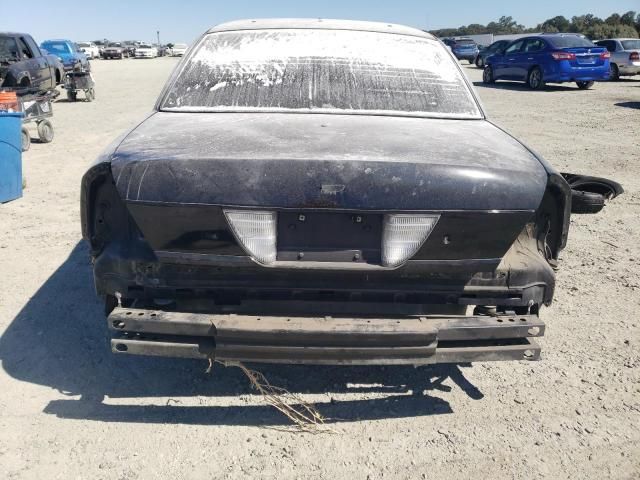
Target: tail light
[(256, 232), (563, 55), (403, 235), (634, 57), (604, 55)]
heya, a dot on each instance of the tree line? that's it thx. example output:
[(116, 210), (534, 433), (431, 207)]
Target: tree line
[(614, 26)]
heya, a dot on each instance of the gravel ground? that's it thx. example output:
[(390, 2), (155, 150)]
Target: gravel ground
[(69, 409)]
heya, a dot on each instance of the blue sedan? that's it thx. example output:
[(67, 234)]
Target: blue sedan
[(68, 53), (549, 58)]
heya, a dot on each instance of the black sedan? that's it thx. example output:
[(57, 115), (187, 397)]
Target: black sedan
[(325, 192)]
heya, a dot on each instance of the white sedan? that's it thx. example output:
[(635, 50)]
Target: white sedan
[(178, 49), (146, 51), (90, 49)]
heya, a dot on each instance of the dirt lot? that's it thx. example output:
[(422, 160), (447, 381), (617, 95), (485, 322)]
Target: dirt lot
[(69, 409)]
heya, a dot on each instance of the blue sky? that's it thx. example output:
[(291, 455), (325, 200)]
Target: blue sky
[(185, 20)]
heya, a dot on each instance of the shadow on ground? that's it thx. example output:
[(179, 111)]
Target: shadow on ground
[(520, 86), (59, 339), (635, 105)]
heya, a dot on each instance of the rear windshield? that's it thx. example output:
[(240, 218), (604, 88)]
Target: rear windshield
[(321, 70), (630, 44), (570, 41), (465, 42), (56, 47)]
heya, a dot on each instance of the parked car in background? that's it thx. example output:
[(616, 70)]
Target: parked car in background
[(163, 50), (178, 49), (130, 48), (68, 53), (101, 44), (90, 49), (625, 56), (114, 50), (145, 50), (463, 48), (485, 52), (373, 219), (549, 58), (24, 66)]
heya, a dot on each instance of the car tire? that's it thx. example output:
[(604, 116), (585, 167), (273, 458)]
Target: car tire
[(614, 72), (534, 79), (45, 131), (25, 139), (90, 95), (586, 202), (72, 95), (479, 62), (584, 85), (487, 75)]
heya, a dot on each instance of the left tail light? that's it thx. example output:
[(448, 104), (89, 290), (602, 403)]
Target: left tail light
[(604, 55), (256, 231), (563, 55)]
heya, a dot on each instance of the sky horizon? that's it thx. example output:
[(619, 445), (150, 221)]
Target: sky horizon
[(122, 20)]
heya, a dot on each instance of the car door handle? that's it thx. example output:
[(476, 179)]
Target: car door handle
[(510, 59), (530, 58)]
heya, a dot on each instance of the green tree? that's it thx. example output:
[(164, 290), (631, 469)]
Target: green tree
[(613, 19), (556, 24), (628, 18)]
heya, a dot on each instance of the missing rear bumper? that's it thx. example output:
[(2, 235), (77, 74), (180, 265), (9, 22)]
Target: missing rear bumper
[(325, 340)]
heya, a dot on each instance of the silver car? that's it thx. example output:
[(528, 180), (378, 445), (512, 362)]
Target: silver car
[(625, 56)]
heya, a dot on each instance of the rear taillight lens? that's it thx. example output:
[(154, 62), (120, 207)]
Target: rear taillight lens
[(256, 232), (563, 55), (605, 55), (634, 57), (403, 235)]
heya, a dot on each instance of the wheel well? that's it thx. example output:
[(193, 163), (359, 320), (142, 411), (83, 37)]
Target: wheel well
[(25, 82), (58, 76)]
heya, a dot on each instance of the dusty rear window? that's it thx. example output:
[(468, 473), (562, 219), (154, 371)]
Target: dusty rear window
[(325, 70)]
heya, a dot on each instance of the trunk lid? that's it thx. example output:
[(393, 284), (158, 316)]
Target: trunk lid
[(350, 162), (586, 56)]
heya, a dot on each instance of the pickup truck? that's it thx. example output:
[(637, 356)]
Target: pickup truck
[(25, 67)]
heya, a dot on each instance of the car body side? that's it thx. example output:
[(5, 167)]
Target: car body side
[(29, 69), (68, 52), (521, 56)]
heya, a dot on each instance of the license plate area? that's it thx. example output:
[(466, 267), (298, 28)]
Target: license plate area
[(329, 237), (586, 60)]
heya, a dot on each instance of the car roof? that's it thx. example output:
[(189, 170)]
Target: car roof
[(617, 38), (49, 40), (560, 34), (319, 24)]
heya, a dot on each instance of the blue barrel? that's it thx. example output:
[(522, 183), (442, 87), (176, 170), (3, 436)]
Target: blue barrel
[(10, 156)]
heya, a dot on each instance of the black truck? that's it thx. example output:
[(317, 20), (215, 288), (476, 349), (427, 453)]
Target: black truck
[(25, 67)]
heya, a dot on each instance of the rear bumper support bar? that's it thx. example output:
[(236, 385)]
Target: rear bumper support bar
[(325, 340)]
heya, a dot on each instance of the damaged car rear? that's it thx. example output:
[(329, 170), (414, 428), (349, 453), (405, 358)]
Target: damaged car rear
[(325, 192)]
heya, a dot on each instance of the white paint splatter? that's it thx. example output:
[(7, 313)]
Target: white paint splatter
[(218, 86)]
